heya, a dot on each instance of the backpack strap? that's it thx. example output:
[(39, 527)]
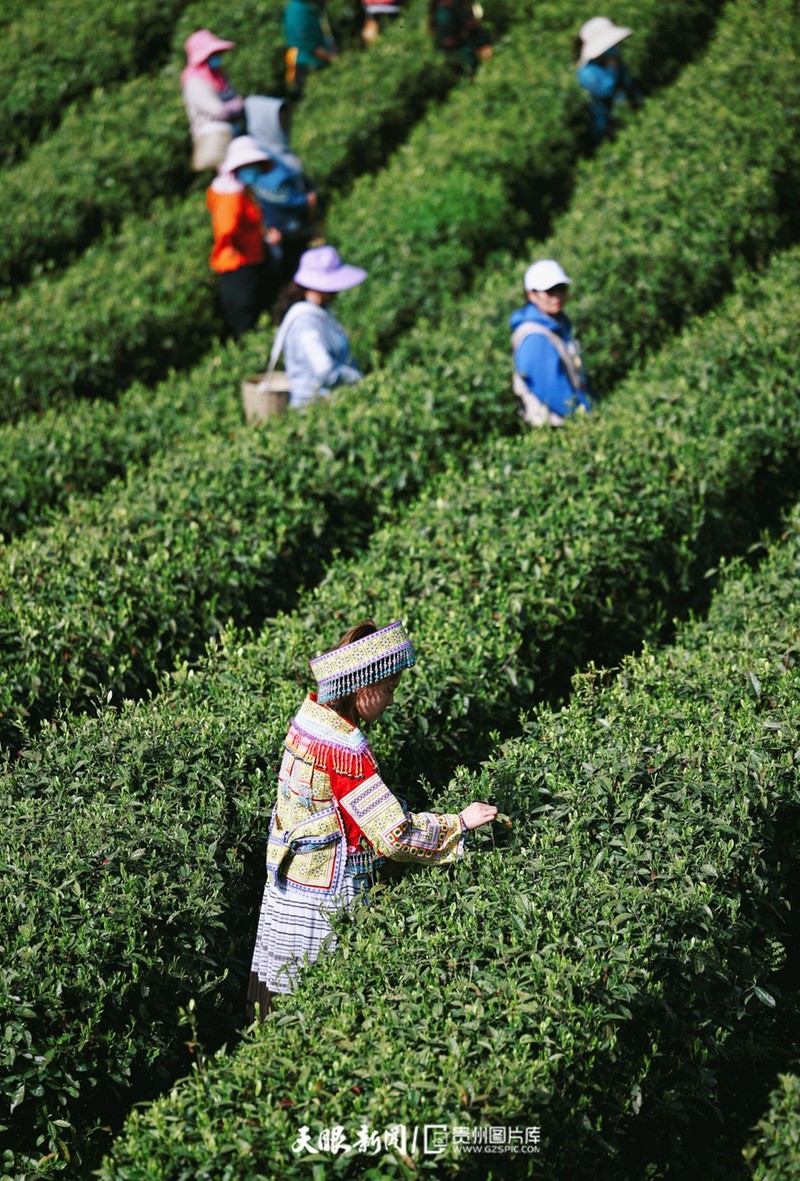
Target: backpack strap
[(569, 355), (294, 313)]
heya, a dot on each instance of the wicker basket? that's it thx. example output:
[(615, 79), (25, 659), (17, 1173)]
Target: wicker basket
[(265, 395)]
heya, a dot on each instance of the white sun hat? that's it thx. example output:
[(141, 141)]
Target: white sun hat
[(544, 274), (242, 150), (599, 35)]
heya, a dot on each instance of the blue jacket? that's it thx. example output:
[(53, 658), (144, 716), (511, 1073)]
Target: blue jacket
[(608, 82), (282, 192), (540, 365), (283, 199)]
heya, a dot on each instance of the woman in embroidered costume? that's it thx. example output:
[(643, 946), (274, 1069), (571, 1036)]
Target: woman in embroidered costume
[(334, 814)]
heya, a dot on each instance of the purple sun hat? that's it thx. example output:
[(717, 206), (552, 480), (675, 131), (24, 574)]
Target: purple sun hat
[(321, 269)]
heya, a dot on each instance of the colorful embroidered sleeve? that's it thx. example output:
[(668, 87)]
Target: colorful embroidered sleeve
[(402, 836)]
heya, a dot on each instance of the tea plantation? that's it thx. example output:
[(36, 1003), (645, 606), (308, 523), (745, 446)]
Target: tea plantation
[(606, 617)]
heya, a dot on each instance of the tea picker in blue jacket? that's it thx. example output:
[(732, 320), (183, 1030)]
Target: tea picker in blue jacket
[(549, 380), (603, 73), (286, 198)]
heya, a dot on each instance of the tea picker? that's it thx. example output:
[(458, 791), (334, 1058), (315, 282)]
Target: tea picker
[(212, 105), (316, 351), (549, 379), (310, 42), (603, 73), (247, 278), (377, 14), (286, 198), (457, 30), (334, 817)]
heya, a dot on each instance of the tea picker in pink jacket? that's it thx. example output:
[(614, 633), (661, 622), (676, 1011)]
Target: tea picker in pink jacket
[(212, 105)]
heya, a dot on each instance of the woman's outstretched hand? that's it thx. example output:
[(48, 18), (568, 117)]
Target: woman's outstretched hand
[(476, 814)]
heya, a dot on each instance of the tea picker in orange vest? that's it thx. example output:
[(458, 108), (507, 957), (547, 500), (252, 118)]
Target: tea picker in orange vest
[(549, 380), (334, 817), (247, 278), (212, 105)]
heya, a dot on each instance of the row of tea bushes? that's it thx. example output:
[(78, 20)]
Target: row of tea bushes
[(510, 169), (773, 1153), (545, 551), (202, 522), (57, 52), (78, 181), (153, 283), (635, 280), (12, 9), (142, 297), (588, 977), (127, 144), (501, 575)]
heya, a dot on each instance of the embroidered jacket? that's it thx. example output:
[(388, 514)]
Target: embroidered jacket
[(330, 796)]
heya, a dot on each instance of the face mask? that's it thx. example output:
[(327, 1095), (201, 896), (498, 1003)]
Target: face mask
[(249, 174), (215, 61)]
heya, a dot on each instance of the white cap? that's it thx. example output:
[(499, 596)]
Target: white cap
[(598, 35), (544, 274)]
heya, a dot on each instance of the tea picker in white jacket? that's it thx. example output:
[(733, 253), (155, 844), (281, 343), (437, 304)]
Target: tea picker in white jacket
[(315, 347)]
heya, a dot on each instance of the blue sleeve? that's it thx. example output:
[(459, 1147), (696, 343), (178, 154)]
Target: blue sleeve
[(599, 81), (540, 365)]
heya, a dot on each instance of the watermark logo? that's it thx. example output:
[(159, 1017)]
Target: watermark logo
[(418, 1140)]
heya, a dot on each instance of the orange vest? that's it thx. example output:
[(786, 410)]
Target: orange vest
[(238, 231)]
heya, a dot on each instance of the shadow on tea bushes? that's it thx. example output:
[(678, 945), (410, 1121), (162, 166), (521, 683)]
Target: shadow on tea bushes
[(588, 974), (497, 587)]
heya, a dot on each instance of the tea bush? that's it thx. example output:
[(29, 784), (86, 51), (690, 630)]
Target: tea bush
[(501, 577), (519, 138), (78, 182), (186, 544), (11, 9), (774, 1153), (55, 53), (53, 345), (613, 238), (79, 179), (586, 977)]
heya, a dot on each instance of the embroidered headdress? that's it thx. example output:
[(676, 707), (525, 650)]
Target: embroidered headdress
[(356, 665)]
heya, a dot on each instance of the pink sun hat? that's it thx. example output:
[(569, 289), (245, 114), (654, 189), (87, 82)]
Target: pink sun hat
[(200, 45), (321, 269)]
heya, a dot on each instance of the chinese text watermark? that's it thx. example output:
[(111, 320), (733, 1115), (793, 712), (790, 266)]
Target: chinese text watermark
[(418, 1139)]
